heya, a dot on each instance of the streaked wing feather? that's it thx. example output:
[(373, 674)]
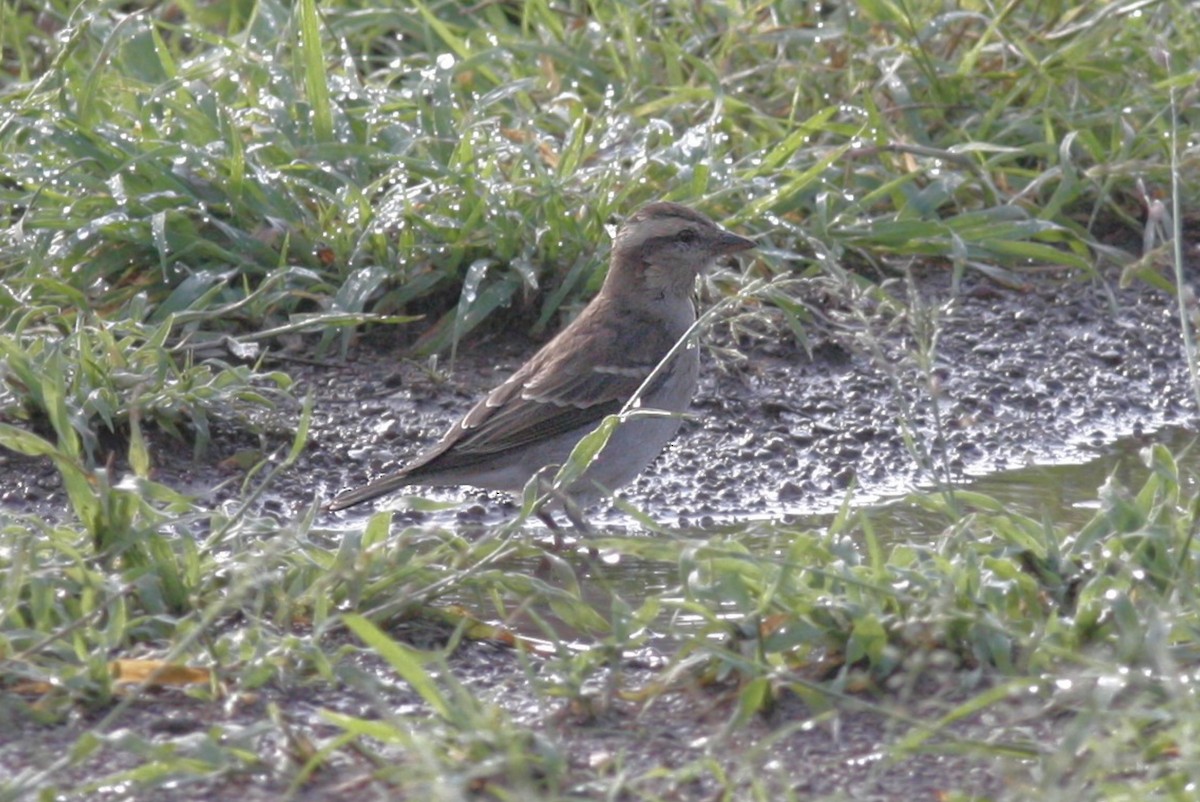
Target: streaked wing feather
[(576, 401), (556, 392)]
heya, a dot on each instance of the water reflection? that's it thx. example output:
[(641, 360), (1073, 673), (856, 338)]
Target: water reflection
[(1061, 494)]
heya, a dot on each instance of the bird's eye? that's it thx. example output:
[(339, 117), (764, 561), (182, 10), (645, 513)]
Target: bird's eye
[(687, 236)]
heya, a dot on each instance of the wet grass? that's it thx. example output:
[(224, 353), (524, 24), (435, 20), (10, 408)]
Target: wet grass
[(191, 190)]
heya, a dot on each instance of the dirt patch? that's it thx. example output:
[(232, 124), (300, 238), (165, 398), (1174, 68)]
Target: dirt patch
[(1053, 372), (1050, 373)]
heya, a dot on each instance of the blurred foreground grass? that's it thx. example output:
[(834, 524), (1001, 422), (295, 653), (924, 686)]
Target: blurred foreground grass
[(191, 188)]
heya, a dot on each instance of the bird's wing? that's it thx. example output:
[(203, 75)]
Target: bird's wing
[(561, 389)]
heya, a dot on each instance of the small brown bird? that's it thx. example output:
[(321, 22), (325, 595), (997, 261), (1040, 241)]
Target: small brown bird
[(590, 370)]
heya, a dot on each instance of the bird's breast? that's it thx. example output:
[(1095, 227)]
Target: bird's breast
[(676, 385)]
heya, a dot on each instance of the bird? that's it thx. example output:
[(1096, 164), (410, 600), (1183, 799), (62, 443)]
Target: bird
[(591, 369)]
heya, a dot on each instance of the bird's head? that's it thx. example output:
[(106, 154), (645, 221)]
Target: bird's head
[(662, 247)]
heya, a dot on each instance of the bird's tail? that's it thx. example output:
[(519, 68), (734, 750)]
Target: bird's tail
[(379, 487)]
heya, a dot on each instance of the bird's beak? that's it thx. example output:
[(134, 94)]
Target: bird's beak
[(732, 243)]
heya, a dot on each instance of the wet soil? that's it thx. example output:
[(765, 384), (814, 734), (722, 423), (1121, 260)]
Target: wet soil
[(1054, 370)]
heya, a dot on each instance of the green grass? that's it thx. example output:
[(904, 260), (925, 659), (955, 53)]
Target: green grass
[(190, 188), (251, 170)]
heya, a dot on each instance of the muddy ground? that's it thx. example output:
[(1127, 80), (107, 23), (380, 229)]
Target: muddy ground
[(1050, 371)]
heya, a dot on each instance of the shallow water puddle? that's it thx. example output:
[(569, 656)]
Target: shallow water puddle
[(1064, 494)]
